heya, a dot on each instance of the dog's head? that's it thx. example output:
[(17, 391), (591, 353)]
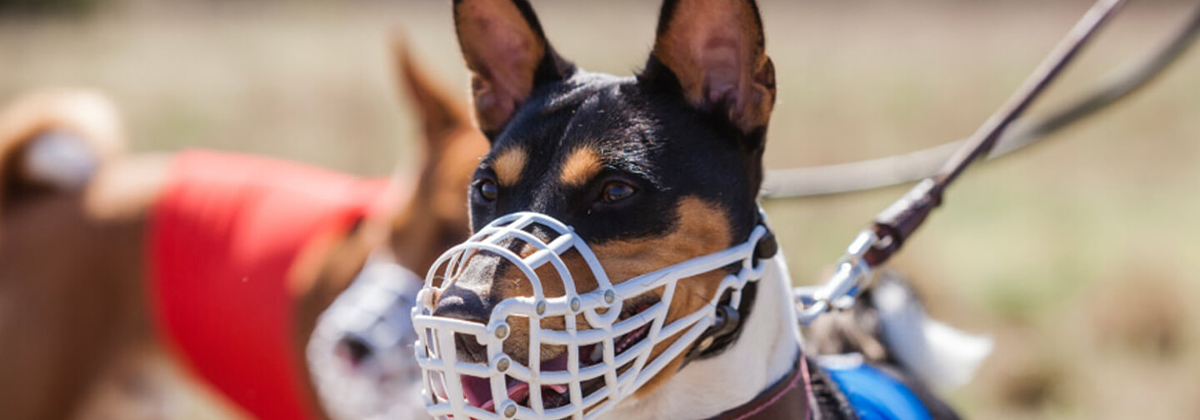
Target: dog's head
[(649, 171)]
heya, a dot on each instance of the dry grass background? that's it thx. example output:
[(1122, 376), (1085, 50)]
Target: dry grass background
[(1076, 255)]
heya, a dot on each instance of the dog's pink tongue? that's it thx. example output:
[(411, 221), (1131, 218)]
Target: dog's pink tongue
[(478, 391), (517, 391), (556, 364)]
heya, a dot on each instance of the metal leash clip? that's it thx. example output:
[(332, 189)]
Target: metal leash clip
[(852, 276)]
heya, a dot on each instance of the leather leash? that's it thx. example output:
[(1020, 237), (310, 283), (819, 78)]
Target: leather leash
[(895, 224), (876, 244)]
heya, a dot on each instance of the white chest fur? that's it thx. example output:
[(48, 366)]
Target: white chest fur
[(765, 352)]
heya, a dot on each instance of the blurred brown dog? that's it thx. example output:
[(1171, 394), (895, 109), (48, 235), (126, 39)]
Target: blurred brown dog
[(77, 321)]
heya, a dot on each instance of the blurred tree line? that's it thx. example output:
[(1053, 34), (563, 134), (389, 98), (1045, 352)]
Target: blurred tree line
[(47, 7)]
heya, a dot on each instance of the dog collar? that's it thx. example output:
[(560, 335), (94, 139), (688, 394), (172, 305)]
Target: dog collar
[(224, 235), (787, 399)]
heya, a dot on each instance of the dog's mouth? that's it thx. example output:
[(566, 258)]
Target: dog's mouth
[(478, 391)]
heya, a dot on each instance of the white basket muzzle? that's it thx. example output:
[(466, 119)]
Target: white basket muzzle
[(608, 346)]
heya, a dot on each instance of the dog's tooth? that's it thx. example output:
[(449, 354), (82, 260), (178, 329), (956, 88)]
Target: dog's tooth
[(597, 352)]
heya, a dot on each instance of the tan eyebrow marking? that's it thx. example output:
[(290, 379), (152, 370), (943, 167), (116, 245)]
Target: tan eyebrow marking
[(583, 164), (509, 164)]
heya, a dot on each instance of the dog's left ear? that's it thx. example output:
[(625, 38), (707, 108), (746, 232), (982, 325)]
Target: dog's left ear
[(715, 52), (435, 217), (441, 114)]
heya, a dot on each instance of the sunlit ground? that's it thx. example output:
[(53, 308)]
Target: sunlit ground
[(1076, 255)]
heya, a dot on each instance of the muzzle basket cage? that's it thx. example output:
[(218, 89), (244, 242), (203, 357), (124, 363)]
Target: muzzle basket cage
[(605, 381)]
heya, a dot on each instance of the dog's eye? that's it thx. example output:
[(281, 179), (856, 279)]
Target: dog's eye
[(488, 190), (616, 191)]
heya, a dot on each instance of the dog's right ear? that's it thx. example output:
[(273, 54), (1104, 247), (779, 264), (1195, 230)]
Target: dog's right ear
[(508, 54), (54, 141)]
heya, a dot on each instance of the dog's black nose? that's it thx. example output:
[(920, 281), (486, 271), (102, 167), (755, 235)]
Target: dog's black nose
[(468, 305), (462, 303), (354, 349)]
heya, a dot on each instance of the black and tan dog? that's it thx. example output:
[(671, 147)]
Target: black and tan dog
[(650, 171), (114, 267)]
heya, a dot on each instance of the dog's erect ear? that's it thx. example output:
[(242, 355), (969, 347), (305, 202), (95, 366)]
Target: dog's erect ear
[(715, 51), (55, 141), (435, 217), (508, 55), (441, 114)]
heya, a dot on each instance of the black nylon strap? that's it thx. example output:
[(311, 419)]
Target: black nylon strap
[(829, 401), (719, 337)]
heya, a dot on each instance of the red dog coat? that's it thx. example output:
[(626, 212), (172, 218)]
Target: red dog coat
[(223, 236)]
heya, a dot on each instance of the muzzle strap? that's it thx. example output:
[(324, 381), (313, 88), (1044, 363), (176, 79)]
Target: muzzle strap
[(728, 326)]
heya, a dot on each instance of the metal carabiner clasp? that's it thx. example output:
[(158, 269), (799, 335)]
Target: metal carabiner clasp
[(851, 276)]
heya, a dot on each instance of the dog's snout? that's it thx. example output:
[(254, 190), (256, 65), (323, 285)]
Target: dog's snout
[(462, 303), (354, 349), (541, 232), (469, 295), (486, 279)]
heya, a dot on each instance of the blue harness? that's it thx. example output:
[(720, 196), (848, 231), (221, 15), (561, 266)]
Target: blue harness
[(875, 395)]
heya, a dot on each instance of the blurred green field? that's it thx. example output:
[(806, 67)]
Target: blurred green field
[(1077, 255)]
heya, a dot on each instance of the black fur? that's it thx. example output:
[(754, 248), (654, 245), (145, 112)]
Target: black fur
[(647, 136)]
